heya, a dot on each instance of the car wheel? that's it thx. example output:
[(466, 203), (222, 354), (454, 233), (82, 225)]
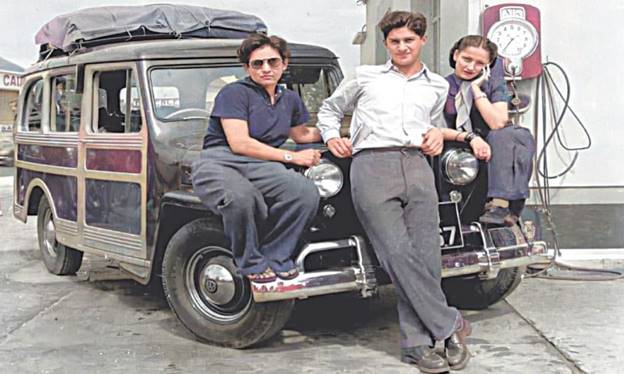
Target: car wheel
[(58, 258), (209, 296), (475, 293)]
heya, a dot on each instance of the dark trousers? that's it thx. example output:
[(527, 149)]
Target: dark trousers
[(396, 201), (265, 206), (511, 165)]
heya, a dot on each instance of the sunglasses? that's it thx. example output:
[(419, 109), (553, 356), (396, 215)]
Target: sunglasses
[(273, 62)]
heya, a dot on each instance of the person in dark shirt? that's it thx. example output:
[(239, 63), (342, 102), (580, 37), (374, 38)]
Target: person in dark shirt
[(476, 113), (241, 174)]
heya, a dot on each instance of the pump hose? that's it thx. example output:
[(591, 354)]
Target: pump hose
[(546, 83)]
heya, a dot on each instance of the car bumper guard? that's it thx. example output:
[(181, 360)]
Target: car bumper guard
[(501, 248)]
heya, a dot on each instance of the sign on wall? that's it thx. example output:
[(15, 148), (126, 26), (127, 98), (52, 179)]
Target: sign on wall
[(10, 81)]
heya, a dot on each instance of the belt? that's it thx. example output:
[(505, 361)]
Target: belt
[(401, 149)]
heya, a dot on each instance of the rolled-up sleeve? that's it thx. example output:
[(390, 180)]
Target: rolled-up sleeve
[(333, 110)]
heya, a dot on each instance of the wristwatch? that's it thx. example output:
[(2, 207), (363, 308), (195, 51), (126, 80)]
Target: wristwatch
[(288, 157), (469, 137)]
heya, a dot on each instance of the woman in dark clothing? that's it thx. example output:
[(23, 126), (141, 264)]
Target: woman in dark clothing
[(476, 113), (241, 174)]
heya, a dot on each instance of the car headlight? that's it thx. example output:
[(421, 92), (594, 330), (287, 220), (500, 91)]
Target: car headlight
[(459, 166), (327, 177)]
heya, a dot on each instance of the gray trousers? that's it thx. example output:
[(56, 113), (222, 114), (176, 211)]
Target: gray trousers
[(511, 165), (265, 206), (395, 199)]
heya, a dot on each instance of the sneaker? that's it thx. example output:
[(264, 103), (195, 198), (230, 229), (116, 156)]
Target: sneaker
[(425, 359), (495, 215)]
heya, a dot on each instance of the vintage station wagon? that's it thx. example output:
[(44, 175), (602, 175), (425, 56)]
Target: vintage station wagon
[(106, 135)]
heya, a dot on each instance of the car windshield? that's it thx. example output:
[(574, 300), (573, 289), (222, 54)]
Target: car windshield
[(183, 97), (183, 94)]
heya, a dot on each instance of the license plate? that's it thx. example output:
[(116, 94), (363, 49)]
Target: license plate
[(450, 226)]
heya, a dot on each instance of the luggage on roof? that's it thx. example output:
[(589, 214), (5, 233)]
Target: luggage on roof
[(112, 24)]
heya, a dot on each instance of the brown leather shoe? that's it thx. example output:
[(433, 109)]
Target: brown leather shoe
[(456, 351), (425, 359)]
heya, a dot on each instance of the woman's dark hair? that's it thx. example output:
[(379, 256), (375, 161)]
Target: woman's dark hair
[(412, 20), (255, 41), (476, 41)]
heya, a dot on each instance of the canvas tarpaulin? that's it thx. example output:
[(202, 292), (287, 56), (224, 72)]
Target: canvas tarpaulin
[(88, 26)]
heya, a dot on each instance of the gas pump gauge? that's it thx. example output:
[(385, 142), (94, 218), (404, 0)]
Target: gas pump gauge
[(514, 28), (516, 38)]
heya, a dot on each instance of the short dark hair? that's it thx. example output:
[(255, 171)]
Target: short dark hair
[(476, 41), (412, 20), (255, 41)]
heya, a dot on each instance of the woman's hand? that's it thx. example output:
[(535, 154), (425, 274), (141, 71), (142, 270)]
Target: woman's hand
[(307, 157), (485, 75), (481, 149)]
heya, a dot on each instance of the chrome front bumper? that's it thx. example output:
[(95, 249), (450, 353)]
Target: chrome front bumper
[(360, 277)]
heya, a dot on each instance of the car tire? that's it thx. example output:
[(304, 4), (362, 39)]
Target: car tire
[(475, 293), (58, 258), (207, 294)]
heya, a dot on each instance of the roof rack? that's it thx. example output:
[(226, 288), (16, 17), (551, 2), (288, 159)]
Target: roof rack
[(90, 27)]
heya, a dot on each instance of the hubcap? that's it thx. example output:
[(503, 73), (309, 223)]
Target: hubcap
[(214, 287), (217, 284), (49, 235)]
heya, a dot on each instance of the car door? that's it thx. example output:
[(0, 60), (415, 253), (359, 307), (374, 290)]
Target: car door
[(113, 181)]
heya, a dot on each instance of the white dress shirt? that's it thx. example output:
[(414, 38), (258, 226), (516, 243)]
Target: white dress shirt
[(389, 109)]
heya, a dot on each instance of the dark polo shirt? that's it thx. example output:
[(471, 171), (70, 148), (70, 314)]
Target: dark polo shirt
[(247, 101)]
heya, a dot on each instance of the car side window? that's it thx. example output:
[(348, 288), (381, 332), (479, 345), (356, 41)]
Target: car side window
[(116, 102), (31, 121), (64, 104)]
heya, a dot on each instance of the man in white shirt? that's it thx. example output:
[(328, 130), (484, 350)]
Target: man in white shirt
[(397, 109)]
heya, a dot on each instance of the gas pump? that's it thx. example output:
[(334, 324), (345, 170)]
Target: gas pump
[(515, 29)]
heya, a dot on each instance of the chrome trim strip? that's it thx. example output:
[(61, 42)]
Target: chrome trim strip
[(112, 240), (116, 256), (47, 140), (66, 226), (111, 142)]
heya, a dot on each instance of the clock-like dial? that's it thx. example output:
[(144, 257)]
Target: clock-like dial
[(515, 38)]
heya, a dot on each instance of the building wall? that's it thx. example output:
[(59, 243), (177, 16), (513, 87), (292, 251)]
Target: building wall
[(574, 34)]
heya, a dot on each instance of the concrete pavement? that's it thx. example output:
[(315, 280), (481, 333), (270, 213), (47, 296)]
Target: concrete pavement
[(51, 324)]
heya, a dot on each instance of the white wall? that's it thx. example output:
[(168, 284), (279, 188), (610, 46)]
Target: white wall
[(587, 40), (328, 23)]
